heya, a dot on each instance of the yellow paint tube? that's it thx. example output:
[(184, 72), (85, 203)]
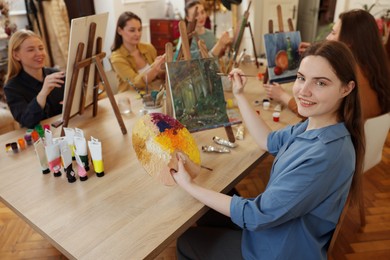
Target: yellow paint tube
[(95, 147)]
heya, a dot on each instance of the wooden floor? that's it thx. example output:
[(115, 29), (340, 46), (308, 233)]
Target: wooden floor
[(19, 241)]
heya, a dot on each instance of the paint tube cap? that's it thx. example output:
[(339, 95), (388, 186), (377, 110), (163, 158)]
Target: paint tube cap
[(39, 130), (100, 174), (84, 178), (71, 179), (46, 171), (57, 174)]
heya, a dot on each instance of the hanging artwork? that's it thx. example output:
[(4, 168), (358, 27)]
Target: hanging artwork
[(281, 50), (197, 94), (157, 138)]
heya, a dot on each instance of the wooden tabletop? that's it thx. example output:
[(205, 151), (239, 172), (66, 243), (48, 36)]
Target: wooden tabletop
[(126, 214)]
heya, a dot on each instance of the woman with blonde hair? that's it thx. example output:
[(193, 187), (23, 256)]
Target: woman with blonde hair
[(33, 91)]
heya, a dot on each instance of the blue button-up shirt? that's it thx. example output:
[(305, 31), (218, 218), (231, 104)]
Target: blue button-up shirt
[(310, 178)]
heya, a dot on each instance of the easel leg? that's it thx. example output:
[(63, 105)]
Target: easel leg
[(91, 36), (110, 95), (230, 134), (168, 100), (97, 79), (73, 82), (253, 43)]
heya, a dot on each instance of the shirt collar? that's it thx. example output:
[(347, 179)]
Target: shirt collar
[(325, 134), (141, 47)]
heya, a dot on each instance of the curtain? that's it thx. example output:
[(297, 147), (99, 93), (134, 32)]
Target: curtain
[(49, 19)]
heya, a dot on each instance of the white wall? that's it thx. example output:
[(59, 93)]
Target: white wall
[(148, 9), (377, 11), (18, 13), (145, 9)]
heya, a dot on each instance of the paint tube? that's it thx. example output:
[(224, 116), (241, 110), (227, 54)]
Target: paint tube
[(40, 151), (22, 143), (48, 137), (80, 168), (81, 149), (66, 156), (78, 132), (35, 135), (54, 158), (69, 135), (95, 147), (240, 133), (28, 138), (40, 130)]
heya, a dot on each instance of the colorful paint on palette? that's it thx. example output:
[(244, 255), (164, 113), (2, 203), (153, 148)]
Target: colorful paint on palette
[(156, 139)]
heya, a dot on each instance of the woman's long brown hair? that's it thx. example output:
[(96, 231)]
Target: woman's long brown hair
[(360, 32), (344, 66), (121, 23)]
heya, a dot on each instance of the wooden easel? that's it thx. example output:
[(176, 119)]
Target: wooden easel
[(281, 29), (239, 32), (101, 75), (189, 35), (185, 48)]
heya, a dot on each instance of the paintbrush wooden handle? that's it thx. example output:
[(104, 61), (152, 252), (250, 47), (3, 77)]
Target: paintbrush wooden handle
[(244, 75)]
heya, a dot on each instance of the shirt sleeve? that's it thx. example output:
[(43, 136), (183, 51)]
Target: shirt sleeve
[(295, 191), (276, 139), (124, 69), (28, 114)]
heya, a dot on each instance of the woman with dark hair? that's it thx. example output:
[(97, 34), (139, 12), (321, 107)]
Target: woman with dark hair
[(373, 72), (316, 162), (216, 47), (130, 57), (33, 91)]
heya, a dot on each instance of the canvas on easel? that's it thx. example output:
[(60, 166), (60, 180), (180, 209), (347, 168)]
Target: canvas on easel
[(281, 49), (282, 55), (85, 68), (197, 94), (79, 34)]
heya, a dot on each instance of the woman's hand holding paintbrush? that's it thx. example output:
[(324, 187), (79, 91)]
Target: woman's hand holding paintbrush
[(155, 65)]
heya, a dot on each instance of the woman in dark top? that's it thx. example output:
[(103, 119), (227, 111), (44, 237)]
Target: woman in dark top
[(33, 92)]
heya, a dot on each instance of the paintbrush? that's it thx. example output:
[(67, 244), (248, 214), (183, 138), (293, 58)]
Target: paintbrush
[(136, 89), (159, 97), (225, 75), (207, 168)]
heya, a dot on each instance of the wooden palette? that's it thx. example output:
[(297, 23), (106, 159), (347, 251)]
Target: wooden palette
[(156, 140)]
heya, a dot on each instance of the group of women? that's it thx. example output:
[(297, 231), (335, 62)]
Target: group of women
[(340, 83)]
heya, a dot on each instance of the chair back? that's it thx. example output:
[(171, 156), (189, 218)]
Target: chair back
[(376, 130)]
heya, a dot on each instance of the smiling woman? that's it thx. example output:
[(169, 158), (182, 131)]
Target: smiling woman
[(316, 162), (33, 92), (130, 57)]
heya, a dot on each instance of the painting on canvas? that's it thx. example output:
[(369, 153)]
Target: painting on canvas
[(197, 94), (282, 55)]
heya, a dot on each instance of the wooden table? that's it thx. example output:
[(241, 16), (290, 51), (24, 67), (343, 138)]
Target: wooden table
[(126, 214)]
